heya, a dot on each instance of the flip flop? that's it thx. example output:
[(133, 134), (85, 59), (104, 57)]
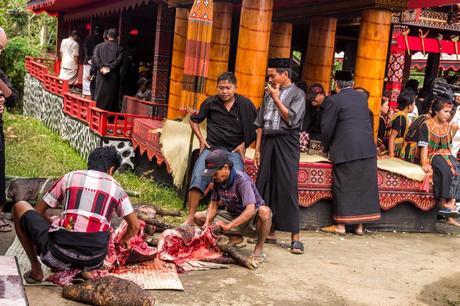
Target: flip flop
[(296, 247), (332, 230), (29, 279), (267, 240), (258, 258), (5, 226)]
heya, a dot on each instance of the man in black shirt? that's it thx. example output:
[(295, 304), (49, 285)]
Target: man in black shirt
[(316, 98), (7, 98), (230, 127)]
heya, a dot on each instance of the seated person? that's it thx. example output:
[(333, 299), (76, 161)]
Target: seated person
[(400, 122), (79, 237), (230, 125), (434, 141), (144, 92), (410, 151), (243, 210), (316, 99)]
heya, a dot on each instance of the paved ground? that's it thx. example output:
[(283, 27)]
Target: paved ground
[(379, 269)]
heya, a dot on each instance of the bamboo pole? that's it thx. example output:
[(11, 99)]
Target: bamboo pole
[(373, 43), (252, 52), (319, 58), (280, 40), (177, 65), (220, 46)]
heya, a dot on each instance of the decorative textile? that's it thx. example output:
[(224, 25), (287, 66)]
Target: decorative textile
[(197, 53), (90, 198), (401, 167)]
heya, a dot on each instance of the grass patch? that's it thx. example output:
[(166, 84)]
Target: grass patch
[(32, 150)]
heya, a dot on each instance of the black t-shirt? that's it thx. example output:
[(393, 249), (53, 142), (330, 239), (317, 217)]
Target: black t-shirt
[(224, 128), (312, 121)]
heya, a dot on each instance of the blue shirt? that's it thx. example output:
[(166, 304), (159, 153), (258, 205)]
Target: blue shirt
[(237, 193)]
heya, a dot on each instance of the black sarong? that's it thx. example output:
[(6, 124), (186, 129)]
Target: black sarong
[(277, 179), (355, 190), (107, 91), (446, 184)]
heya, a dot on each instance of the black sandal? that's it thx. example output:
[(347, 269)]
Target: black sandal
[(297, 247)]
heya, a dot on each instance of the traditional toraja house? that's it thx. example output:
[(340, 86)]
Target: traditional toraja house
[(376, 38)]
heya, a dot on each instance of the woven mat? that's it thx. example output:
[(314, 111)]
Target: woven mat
[(401, 167), (11, 290), (147, 275)]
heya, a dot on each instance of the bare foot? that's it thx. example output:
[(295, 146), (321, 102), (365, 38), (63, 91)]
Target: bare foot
[(453, 222), (189, 221)]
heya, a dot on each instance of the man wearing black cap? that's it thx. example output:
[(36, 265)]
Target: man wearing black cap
[(316, 98), (277, 151), (347, 134), (244, 209)]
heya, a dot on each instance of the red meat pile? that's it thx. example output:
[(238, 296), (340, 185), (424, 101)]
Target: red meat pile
[(188, 243)]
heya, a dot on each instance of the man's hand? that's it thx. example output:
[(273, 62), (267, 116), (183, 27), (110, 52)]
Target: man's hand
[(274, 92), (241, 149), (257, 159), (427, 169), (223, 226), (203, 145)]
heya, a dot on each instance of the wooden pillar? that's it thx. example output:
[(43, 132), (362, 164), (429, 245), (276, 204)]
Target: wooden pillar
[(349, 59), (374, 35), (280, 40), (252, 51), (319, 59), (177, 66), (162, 53), (432, 66), (220, 46)]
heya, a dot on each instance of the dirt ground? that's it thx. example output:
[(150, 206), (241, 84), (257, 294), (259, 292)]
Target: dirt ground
[(378, 269)]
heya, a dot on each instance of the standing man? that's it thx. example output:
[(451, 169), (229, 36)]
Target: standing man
[(230, 127), (108, 57), (90, 43), (348, 137), (316, 98), (8, 97), (277, 152), (69, 58)]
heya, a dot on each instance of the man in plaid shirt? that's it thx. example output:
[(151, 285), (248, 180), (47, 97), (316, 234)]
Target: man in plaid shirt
[(79, 237)]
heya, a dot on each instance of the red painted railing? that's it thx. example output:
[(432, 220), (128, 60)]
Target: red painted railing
[(135, 106), (77, 106), (110, 124), (104, 123)]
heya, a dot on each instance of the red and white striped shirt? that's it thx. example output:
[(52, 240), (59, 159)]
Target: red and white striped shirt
[(90, 198)]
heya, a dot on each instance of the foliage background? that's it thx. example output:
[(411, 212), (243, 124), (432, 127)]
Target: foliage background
[(24, 31)]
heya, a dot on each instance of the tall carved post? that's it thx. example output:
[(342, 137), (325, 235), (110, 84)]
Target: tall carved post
[(432, 66), (177, 66), (395, 70), (220, 46), (161, 53), (252, 51), (319, 59), (280, 40), (374, 36)]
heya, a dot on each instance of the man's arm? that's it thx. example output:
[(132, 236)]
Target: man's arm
[(257, 150), (133, 227), (245, 216), (7, 89), (211, 213), (115, 64), (41, 208), (328, 123), (195, 121), (282, 109)]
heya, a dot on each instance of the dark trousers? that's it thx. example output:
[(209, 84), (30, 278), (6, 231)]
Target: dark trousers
[(2, 174)]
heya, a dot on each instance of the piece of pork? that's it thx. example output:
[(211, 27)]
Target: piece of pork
[(109, 290)]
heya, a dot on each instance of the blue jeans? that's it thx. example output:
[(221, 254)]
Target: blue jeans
[(199, 181)]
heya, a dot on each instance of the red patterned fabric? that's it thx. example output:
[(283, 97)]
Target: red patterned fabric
[(146, 137)]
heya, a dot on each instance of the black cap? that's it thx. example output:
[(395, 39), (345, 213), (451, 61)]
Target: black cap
[(313, 90), (343, 75), (280, 63), (216, 160)]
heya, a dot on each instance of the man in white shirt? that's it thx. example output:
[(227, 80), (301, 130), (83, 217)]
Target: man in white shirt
[(69, 52)]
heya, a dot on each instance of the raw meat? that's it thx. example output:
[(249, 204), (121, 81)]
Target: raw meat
[(109, 290), (188, 243)]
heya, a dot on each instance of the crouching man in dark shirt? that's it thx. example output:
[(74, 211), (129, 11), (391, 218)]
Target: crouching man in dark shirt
[(242, 210), (230, 127)]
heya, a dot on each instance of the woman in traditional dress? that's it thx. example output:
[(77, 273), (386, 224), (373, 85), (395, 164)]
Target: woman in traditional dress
[(410, 151), (400, 123), (435, 139), (384, 121)]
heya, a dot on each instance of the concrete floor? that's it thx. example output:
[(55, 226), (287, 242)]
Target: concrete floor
[(378, 269)]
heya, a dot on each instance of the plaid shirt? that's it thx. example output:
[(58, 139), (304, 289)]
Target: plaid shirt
[(89, 198)]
